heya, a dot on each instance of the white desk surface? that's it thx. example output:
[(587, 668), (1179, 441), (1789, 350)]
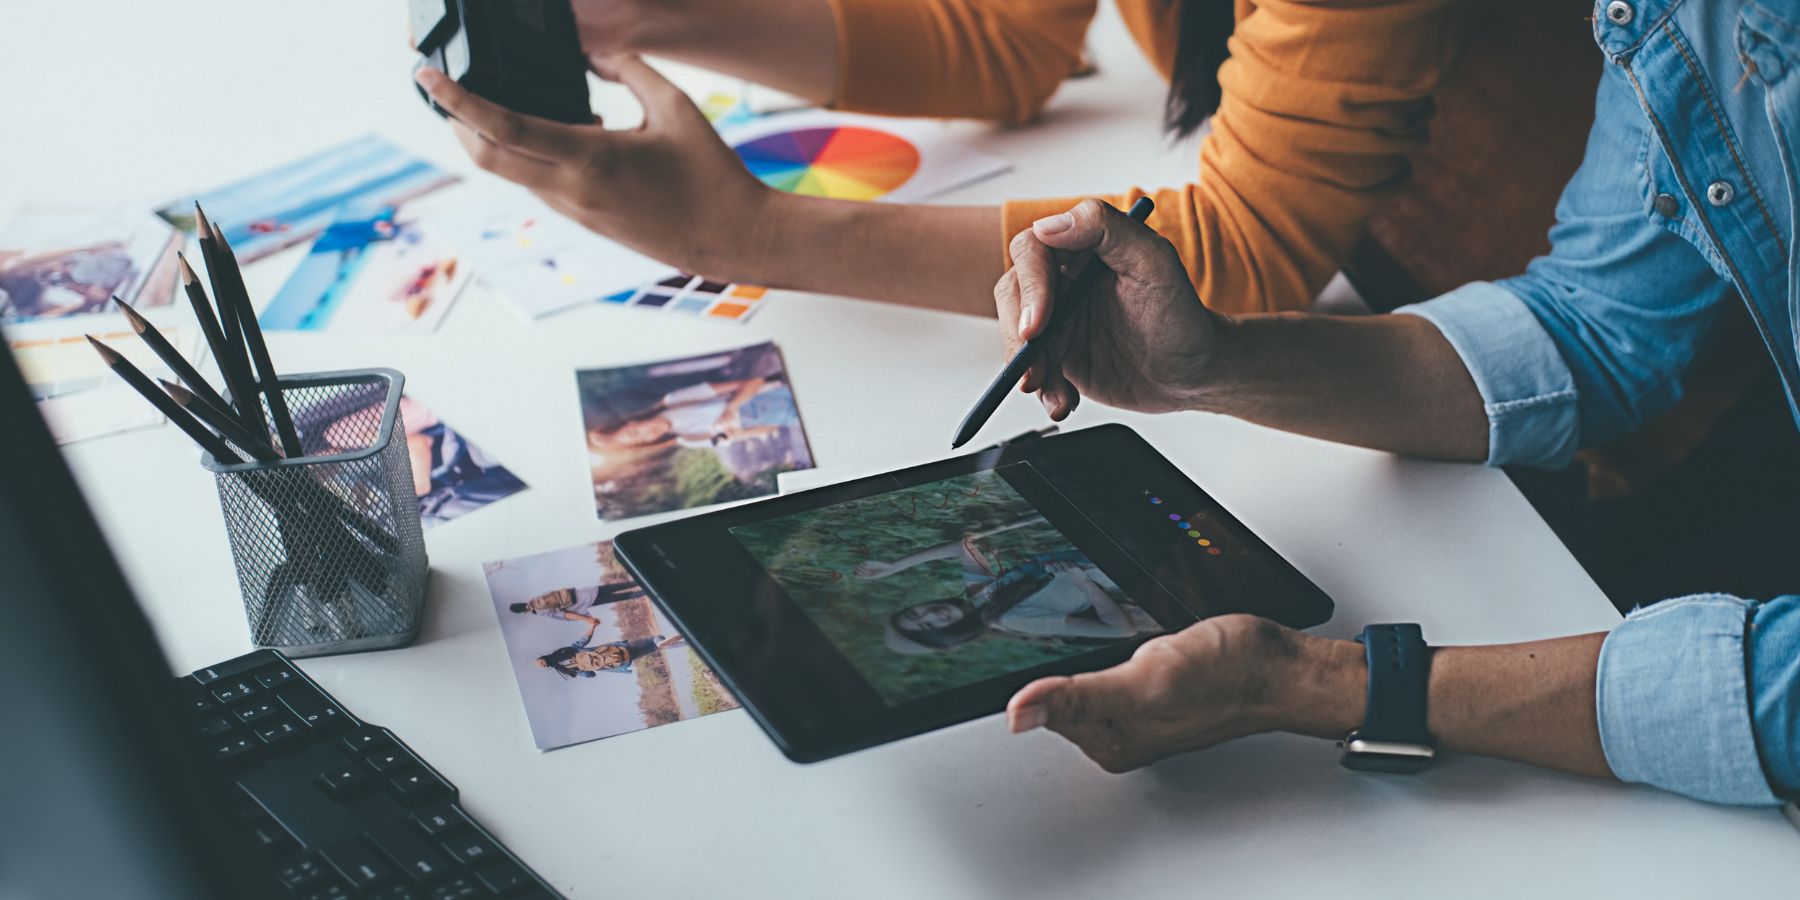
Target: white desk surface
[(101, 105)]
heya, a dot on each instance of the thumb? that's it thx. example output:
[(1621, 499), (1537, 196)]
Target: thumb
[(656, 93), (1071, 701), (1128, 248)]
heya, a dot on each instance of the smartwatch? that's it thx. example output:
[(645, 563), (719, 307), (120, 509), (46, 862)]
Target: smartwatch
[(1393, 736)]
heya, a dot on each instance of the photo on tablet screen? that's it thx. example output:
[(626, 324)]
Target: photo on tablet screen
[(942, 585)]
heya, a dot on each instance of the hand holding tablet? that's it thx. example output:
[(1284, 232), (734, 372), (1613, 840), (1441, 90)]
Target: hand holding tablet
[(862, 613)]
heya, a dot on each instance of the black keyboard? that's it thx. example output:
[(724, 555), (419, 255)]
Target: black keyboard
[(341, 809)]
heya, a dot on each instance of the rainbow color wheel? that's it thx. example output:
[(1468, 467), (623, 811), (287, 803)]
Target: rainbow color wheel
[(844, 163)]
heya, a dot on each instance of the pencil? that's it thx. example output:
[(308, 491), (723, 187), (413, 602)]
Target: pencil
[(170, 356), (203, 312), (1015, 368), (267, 379), (141, 383), (220, 421), (232, 362)]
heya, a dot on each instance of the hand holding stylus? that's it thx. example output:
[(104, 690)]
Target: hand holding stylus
[(1139, 340)]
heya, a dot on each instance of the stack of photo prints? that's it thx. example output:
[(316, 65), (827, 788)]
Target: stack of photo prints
[(592, 654)]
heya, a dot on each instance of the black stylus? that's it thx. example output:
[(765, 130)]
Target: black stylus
[(1015, 368)]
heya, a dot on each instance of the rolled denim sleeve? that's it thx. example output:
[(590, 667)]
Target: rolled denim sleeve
[(1695, 696), (1526, 388)]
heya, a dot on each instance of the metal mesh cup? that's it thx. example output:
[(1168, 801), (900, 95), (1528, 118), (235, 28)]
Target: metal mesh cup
[(329, 549)]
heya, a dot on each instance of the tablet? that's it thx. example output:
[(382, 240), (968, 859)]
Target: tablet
[(861, 613)]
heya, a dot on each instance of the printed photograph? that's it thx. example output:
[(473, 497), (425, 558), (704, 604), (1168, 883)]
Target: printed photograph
[(451, 476), (538, 259), (593, 655), (284, 206), (690, 432), (942, 585), (56, 263), (370, 272)]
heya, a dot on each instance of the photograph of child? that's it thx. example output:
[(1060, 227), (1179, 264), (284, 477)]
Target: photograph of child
[(369, 272), (288, 204), (596, 660), (942, 585), (690, 432), (58, 263), (451, 476)]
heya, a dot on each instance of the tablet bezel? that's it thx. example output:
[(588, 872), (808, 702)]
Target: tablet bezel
[(813, 702)]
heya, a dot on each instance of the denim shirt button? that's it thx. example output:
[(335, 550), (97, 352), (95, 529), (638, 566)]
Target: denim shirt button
[(1719, 193), (1667, 205), (1619, 12)]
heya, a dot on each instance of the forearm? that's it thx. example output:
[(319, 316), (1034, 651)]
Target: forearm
[(1385, 382), (1531, 702), (789, 45), (935, 257)]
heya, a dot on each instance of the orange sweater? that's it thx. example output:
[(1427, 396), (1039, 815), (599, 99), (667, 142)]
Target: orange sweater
[(1322, 102)]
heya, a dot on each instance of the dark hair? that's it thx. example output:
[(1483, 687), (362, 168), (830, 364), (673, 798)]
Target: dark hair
[(1200, 48), (964, 629), (561, 661), (517, 607)]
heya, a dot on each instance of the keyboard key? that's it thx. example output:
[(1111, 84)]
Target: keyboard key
[(333, 891), (277, 731), (458, 888), (272, 837), (364, 741), (233, 746), (277, 678), (359, 863), (201, 703), (314, 709), (472, 848), (410, 853), (213, 726), (418, 787), (503, 877), (345, 782), (390, 761), (261, 709), (441, 820), (235, 690), (397, 891), (301, 872)]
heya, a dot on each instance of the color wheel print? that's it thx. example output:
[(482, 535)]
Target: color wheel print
[(844, 163)]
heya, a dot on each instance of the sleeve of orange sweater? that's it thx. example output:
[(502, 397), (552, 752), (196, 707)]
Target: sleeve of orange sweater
[(986, 59), (1323, 100)]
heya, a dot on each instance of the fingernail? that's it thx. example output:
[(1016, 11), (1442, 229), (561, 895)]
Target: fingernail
[(428, 78), (1054, 224), (1027, 316), (1028, 718)]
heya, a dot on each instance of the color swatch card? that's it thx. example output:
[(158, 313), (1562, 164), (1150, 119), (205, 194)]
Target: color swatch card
[(370, 272), (284, 206), (539, 259), (852, 157), (693, 295)]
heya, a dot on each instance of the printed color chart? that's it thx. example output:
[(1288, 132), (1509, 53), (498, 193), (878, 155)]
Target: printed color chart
[(843, 163), (693, 295)]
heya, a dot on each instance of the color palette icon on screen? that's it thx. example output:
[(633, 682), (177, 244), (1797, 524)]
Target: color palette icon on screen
[(1192, 526), (841, 162), (693, 295)]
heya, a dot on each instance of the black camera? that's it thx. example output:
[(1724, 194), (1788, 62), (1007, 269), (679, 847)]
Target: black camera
[(521, 54)]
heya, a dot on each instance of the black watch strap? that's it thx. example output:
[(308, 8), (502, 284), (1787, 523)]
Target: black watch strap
[(1399, 676)]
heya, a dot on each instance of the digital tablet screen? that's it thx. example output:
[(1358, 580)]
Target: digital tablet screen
[(940, 585)]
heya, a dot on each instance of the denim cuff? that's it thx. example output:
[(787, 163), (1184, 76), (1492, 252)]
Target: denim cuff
[(1673, 701), (1526, 388)]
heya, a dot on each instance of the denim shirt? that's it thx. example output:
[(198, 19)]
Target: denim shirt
[(1685, 201)]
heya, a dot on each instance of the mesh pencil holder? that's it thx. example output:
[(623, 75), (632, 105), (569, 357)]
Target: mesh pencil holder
[(329, 550)]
